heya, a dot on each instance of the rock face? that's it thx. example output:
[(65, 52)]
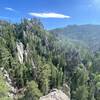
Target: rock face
[(66, 89), (22, 54), (55, 95), (20, 50)]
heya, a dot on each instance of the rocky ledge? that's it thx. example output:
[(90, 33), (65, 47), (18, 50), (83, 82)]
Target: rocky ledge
[(55, 95)]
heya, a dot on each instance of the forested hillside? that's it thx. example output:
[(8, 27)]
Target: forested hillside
[(34, 61), (88, 34)]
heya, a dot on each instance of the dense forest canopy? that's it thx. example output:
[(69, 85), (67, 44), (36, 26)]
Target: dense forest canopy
[(36, 61)]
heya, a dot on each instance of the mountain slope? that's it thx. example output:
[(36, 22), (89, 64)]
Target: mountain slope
[(89, 34), (37, 62)]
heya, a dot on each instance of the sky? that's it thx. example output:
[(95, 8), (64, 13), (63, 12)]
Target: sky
[(52, 13)]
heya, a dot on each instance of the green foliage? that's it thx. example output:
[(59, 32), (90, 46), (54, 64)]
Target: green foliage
[(81, 93), (32, 92), (4, 90), (4, 57), (49, 62), (44, 74), (97, 82), (80, 88)]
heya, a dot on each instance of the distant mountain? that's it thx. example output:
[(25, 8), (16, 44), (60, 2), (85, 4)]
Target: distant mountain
[(89, 34)]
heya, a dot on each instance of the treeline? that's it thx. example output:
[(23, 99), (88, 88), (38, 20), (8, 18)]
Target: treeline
[(47, 63)]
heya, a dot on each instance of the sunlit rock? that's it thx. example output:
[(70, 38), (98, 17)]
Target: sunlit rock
[(55, 95), (20, 50)]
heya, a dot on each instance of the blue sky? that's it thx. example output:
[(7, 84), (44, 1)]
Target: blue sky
[(53, 13)]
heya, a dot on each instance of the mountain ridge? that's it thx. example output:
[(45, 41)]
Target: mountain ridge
[(89, 34)]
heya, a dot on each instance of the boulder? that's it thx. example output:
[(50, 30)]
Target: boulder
[(55, 95)]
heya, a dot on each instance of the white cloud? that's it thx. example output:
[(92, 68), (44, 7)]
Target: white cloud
[(9, 9), (48, 15)]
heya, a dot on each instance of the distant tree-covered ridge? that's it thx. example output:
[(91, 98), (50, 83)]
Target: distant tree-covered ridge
[(88, 34)]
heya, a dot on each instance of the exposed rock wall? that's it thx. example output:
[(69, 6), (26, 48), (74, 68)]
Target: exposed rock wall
[(20, 51)]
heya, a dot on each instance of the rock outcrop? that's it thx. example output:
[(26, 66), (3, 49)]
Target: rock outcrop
[(9, 83), (55, 95), (66, 89), (20, 50)]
